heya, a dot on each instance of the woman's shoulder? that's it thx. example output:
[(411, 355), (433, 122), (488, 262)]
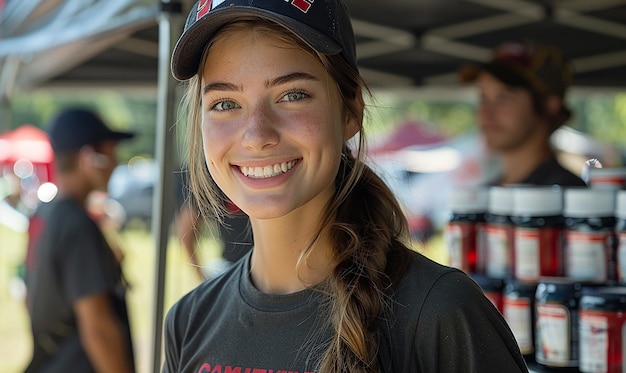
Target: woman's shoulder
[(428, 286), (441, 321), (422, 273)]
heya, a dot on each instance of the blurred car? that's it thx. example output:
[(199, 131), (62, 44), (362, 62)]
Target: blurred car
[(132, 185)]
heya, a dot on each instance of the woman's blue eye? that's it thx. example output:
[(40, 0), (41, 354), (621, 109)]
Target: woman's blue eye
[(225, 105), (294, 96)]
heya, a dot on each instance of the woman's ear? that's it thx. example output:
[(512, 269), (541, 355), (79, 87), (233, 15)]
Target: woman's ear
[(354, 118)]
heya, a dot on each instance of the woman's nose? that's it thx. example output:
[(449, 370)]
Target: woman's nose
[(261, 128)]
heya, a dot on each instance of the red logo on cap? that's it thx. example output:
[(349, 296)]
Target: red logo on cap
[(303, 5), (203, 8)]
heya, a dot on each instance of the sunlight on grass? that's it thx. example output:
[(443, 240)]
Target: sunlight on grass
[(14, 324)]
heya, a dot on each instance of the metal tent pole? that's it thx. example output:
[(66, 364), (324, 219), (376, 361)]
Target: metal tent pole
[(170, 25)]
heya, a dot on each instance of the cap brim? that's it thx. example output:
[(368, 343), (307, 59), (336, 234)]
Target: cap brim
[(115, 135), (469, 73), (506, 74), (189, 48)]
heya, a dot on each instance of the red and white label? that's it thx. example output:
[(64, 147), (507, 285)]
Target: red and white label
[(553, 335), (594, 339), (517, 313), (499, 258), (588, 255)]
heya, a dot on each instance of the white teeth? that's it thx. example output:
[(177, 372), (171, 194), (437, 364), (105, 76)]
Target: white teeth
[(267, 171)]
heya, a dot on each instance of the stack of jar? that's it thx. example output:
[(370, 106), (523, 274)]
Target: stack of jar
[(553, 261)]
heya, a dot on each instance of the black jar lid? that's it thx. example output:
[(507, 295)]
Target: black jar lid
[(514, 286), (608, 298), (558, 288)]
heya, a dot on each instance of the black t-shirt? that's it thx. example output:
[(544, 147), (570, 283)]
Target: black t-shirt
[(551, 172), (439, 322), (69, 259)]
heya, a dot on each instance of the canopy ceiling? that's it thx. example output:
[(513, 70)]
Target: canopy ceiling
[(400, 42), (422, 42)]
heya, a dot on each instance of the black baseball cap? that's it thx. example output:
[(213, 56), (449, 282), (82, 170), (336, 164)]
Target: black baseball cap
[(73, 128), (323, 24), (536, 66)]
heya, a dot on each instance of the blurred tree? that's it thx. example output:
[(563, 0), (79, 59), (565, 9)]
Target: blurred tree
[(601, 115)]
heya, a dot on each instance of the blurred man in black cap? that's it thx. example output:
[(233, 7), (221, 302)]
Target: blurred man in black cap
[(522, 92), (76, 291)]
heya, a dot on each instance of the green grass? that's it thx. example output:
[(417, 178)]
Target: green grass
[(139, 268), (14, 338)]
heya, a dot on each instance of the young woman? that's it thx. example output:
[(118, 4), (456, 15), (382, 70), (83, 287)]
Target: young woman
[(275, 111)]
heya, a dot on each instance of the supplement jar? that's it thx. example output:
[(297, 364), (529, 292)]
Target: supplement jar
[(518, 308), (464, 230), (590, 243), (608, 177), (499, 233), (602, 323), (537, 214), (556, 330)]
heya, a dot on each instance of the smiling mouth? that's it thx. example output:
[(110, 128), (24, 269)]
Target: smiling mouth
[(267, 171)]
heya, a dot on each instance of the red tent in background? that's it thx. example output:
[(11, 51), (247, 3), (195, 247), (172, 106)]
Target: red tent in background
[(410, 133), (29, 143)]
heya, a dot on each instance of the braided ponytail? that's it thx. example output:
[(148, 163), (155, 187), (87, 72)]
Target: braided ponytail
[(369, 234)]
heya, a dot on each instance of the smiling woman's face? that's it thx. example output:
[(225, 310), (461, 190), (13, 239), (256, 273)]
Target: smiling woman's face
[(272, 124)]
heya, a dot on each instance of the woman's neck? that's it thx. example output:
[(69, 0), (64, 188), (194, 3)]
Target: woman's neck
[(276, 266)]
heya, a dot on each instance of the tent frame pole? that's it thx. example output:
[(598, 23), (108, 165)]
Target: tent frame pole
[(170, 24)]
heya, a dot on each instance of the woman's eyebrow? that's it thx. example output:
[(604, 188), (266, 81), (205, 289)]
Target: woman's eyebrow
[(290, 78), (220, 86)]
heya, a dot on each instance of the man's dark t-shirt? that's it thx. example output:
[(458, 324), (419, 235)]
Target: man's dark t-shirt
[(68, 259), (551, 172)]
